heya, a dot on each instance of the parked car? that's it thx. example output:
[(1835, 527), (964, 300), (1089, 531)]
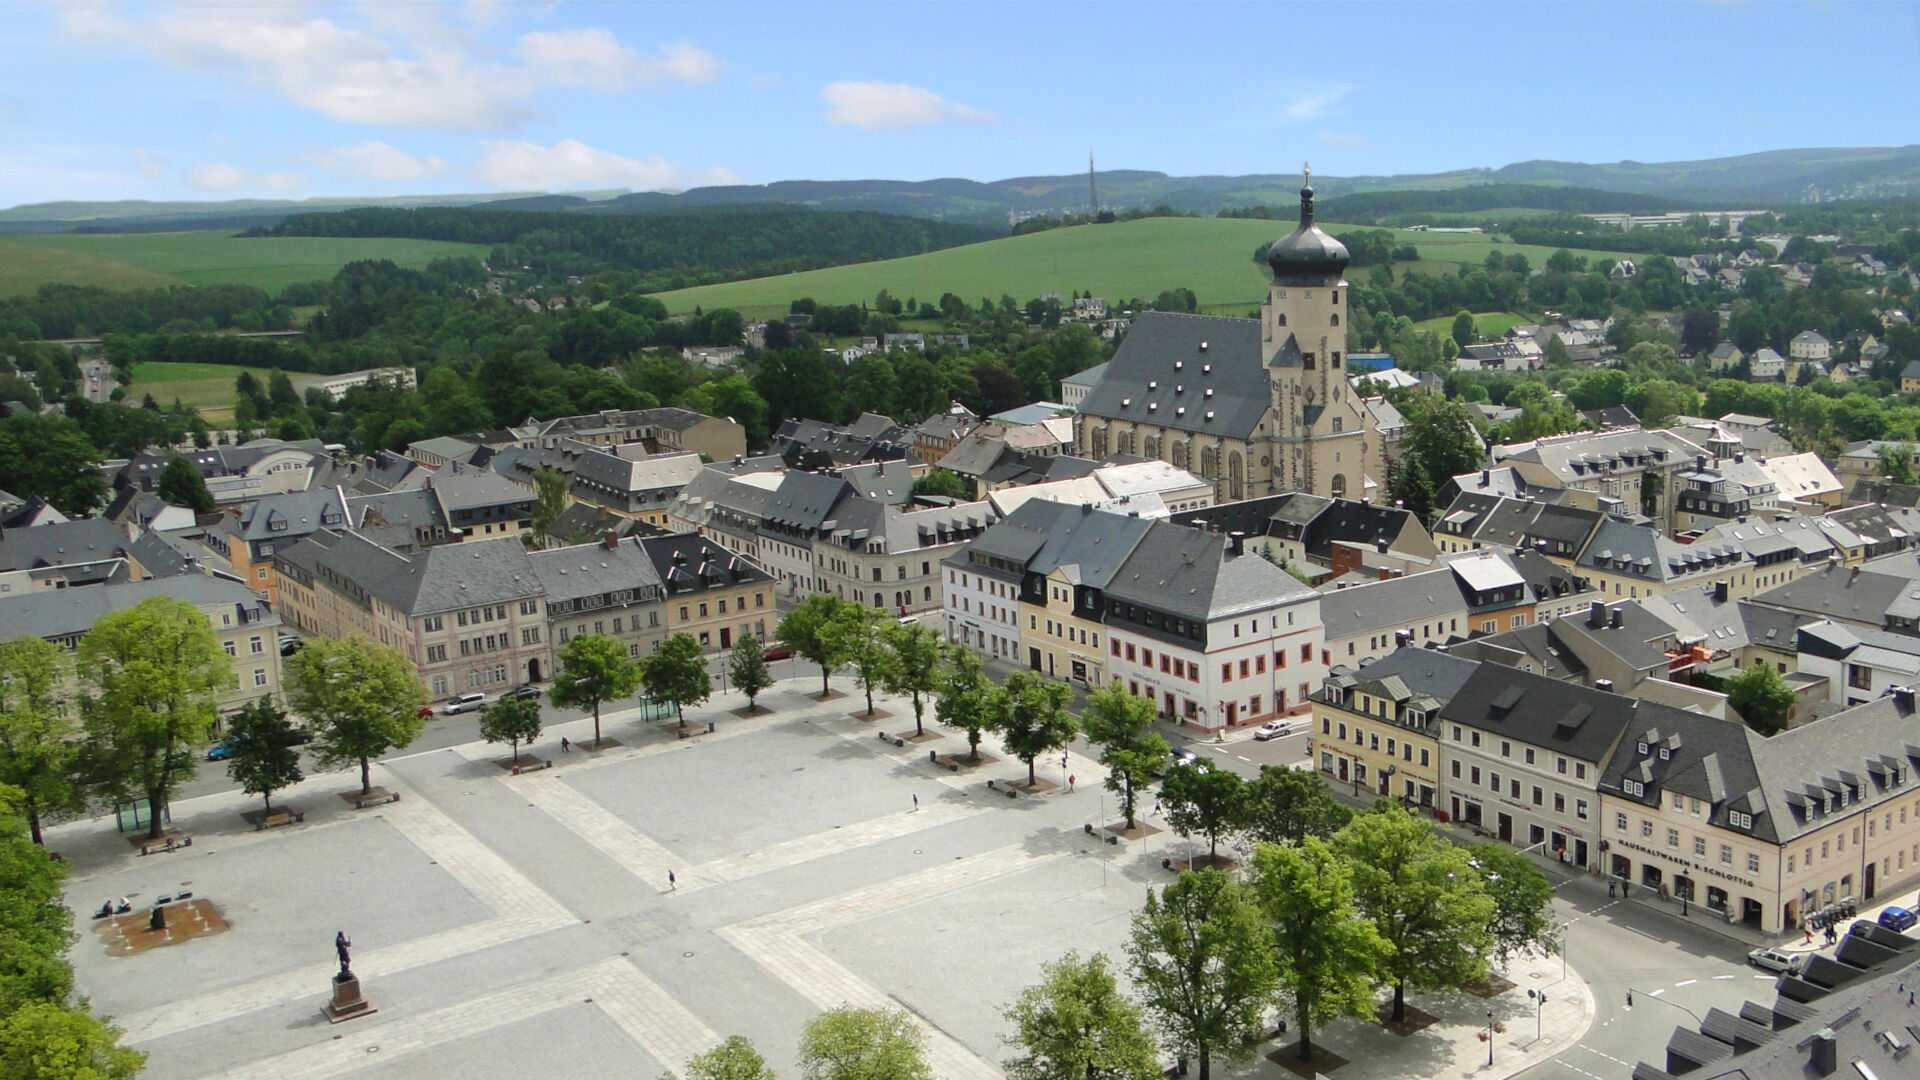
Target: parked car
[(1898, 918), (776, 652), (1273, 729), (521, 693), (290, 644), (1183, 755), (1773, 960), (223, 749), (463, 703)]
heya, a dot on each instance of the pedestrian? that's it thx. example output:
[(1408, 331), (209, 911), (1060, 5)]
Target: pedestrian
[(916, 804), (672, 884), (1613, 888), (1070, 782), (565, 746), (1809, 935), (1909, 999), (1626, 890), (1156, 806)]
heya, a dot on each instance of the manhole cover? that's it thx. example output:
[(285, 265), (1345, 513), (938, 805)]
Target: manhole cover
[(687, 954)]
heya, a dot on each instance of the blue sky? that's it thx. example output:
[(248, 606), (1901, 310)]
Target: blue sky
[(160, 99)]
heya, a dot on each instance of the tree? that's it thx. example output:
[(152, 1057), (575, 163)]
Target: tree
[(1896, 463), (1035, 719), (1463, 331), (35, 736), (913, 667), (512, 721), (846, 1043), (940, 482), (1076, 1025), (1761, 697), (51, 457), (733, 1059), (361, 698), (1203, 799), (594, 669), (1203, 963), (549, 499), (264, 758), (157, 671), (1422, 896), (748, 668), (1522, 901), (1327, 954), (676, 672), (966, 697), (1286, 806), (804, 630), (854, 631), (1121, 724), (49, 1040), (182, 485)]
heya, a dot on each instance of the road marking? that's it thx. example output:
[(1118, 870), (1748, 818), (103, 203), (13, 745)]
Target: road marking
[(1686, 982), (1660, 991), (1717, 978), (1609, 1057), (1769, 978)]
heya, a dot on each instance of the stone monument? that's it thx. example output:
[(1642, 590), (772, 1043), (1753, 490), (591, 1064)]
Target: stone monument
[(347, 1000)]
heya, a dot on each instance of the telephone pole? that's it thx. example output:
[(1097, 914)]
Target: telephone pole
[(1093, 192)]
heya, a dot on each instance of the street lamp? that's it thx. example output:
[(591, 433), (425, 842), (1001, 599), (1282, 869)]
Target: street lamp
[(1539, 1006), (1664, 1001), (1564, 927), (1489, 1038)]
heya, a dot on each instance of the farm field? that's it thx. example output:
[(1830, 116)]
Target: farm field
[(1489, 323), (1211, 256), (207, 387), (214, 257)]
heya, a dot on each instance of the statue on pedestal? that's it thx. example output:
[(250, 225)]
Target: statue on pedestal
[(340, 946)]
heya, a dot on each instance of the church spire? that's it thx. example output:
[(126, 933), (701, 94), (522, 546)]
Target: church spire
[(1306, 194)]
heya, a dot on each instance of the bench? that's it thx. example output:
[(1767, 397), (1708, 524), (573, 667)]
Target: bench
[(377, 800), (171, 845), (280, 817), (535, 767)]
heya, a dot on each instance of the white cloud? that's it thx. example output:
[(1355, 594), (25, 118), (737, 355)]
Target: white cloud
[(377, 160), (1312, 106), (397, 71), (874, 105), (1340, 140), (216, 176), (571, 163), (284, 180), (151, 165)]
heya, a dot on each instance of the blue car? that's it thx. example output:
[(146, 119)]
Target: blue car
[(221, 750)]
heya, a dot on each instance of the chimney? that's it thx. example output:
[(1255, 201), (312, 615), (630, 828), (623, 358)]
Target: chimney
[(1237, 543), (1597, 615), (1700, 463), (1854, 574), (1605, 686), (1719, 592), (1825, 1058), (1381, 544), (1486, 477), (1619, 614), (1402, 638), (1903, 697)]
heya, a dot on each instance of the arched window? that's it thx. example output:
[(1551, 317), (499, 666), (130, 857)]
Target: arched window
[(1236, 488), (1210, 462), (1280, 318), (1098, 446), (1336, 319), (1152, 445), (1339, 488), (1182, 454)]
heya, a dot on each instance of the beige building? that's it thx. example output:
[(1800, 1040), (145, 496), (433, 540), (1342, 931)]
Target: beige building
[(1256, 407)]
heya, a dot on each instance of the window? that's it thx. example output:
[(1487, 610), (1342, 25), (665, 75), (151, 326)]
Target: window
[(1539, 796), (1529, 755), (1699, 845), (1673, 838), (1456, 770), (1473, 738), (1475, 777), (1306, 654), (683, 613), (529, 607), (1559, 803), (1739, 820), (1753, 863), (1633, 787), (1620, 822), (1646, 828), (1423, 756), (1506, 748), (1726, 854), (1560, 766), (1579, 771), (434, 622), (255, 645), (259, 676), (231, 648), (1513, 789)]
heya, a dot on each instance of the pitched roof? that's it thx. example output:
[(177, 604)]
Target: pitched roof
[(1541, 711), (1848, 594), (62, 613), (584, 570), (1391, 604), (82, 541), (1414, 672), (1194, 373), (1189, 573)]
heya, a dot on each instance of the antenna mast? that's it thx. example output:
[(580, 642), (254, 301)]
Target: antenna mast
[(1093, 192)]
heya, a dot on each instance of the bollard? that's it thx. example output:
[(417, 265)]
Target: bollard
[(990, 786), (933, 755), (1089, 827)]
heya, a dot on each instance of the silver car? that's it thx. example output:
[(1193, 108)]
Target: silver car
[(1774, 960), (463, 703)]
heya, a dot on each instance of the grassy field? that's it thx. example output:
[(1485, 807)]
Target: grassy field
[(1211, 256), (134, 260), (207, 387), (1487, 323)]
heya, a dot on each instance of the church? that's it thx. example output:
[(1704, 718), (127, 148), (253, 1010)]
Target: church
[(1258, 407)]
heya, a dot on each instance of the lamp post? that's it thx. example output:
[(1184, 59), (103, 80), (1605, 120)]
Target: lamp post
[(1539, 1006), (1664, 1001), (1564, 927), (1489, 1038)]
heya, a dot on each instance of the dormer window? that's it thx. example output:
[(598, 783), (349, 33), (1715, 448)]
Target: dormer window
[(1633, 787), (1739, 820), (1663, 753), (1641, 746)]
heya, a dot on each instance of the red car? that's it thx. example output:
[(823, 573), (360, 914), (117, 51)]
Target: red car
[(777, 652)]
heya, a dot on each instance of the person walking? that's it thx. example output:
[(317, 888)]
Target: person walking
[(673, 885), (1070, 783), (1614, 886), (916, 804), (565, 746)]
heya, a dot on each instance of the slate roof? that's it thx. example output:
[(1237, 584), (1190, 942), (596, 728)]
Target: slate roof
[(1187, 573), (1848, 594), (804, 500), (890, 482), (1016, 538), (85, 540), (1391, 604), (55, 614), (1530, 648), (1356, 522), (583, 570), (1540, 711), (1640, 551), (165, 555), (399, 520), (440, 579), (1162, 376), (1092, 543), (691, 563), (1087, 378), (1416, 672)]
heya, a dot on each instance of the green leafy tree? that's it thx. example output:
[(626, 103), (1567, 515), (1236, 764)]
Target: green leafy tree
[(1761, 697), (265, 757), (50, 1040), (1463, 331), (512, 721), (1202, 957), (182, 485), (1327, 954), (594, 669), (846, 1043), (805, 631), (1121, 724), (734, 1059), (51, 457), (1422, 896), (1896, 463), (36, 748), (940, 482), (156, 671), (854, 631), (1034, 718), (361, 699), (747, 667), (913, 667), (966, 698), (549, 499), (1205, 800), (1077, 1025), (1286, 806), (677, 672), (1522, 901)]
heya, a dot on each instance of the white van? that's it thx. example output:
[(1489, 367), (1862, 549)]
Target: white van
[(463, 703)]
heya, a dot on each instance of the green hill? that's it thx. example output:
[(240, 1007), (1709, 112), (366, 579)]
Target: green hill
[(217, 257), (1211, 256)]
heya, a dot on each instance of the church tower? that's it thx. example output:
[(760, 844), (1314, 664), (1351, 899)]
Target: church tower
[(1304, 348)]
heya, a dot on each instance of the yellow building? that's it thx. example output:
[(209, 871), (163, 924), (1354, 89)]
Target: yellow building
[(1062, 631), (1376, 728)]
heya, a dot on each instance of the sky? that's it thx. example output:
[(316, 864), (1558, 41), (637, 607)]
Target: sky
[(225, 99)]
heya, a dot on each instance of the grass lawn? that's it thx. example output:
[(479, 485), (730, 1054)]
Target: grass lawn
[(215, 257), (207, 387), (26, 267), (1488, 324), (1211, 256)]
